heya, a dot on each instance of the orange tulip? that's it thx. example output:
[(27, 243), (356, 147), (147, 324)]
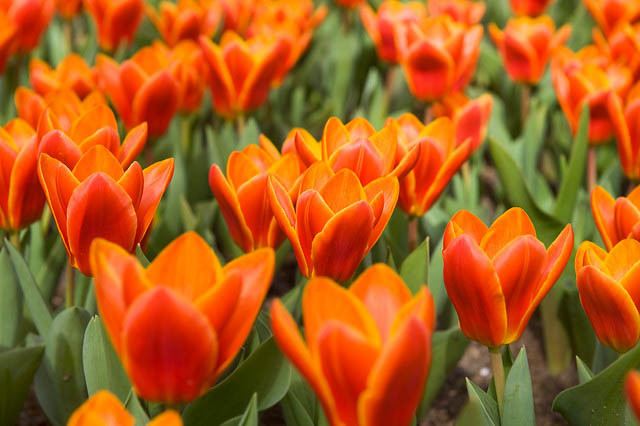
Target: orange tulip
[(72, 73), (616, 219), (68, 9), (438, 161), (104, 408), (117, 20), (289, 145), (440, 57), (627, 130), (241, 196), (358, 147), (99, 199), (31, 18), (624, 47), (611, 14), (242, 71), (632, 391), (141, 89), (389, 24), (529, 7), (525, 46), (470, 117), (21, 197), (331, 220), (466, 12), (185, 20), (179, 323), (496, 277), (238, 14), (367, 350), (609, 291)]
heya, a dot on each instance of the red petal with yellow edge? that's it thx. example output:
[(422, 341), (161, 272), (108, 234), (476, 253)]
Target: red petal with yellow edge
[(307, 149), (334, 136), (315, 177), (474, 289), (106, 136), (91, 121), (631, 283), (390, 189), (156, 103), (464, 222), (101, 408), (286, 333), (241, 168), (188, 266), (312, 214), (29, 105), (222, 91), (510, 225), (632, 391), (420, 307), (122, 20), (602, 208), (408, 162), (133, 145), (342, 190), (359, 127), (361, 157), (219, 302), (626, 217), (622, 257), (346, 358), (168, 418), (397, 380), (610, 309), (169, 349), (520, 58), (98, 159), (429, 70), (99, 208), (156, 179), (589, 253), (383, 293), (337, 251), (132, 77), (58, 145), (256, 269), (132, 181), (26, 198), (254, 204), (239, 61), (286, 169)]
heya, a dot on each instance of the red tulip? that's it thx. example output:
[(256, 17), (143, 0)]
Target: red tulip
[(72, 73), (470, 117), (529, 7), (31, 18), (186, 19), (466, 12), (117, 20)]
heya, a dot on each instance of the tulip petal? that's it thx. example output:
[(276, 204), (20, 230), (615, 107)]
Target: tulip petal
[(622, 257), (464, 222), (334, 136), (308, 149), (133, 144), (510, 225), (132, 181), (312, 214), (101, 408), (98, 159), (420, 307), (590, 254), (389, 188), (361, 157), (91, 121), (429, 69), (222, 90), (58, 145), (25, 198), (254, 204), (156, 103), (156, 179), (603, 207), (342, 190), (626, 216), (219, 302)]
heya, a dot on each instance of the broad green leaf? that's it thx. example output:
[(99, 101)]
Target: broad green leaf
[(17, 368), (132, 404), (584, 372), (300, 406), (10, 303), (517, 403), (395, 234), (415, 268), (436, 280), (292, 300), (485, 406)]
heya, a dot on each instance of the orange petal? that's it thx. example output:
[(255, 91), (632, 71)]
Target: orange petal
[(632, 391), (58, 145), (308, 149), (602, 208), (254, 203), (132, 181), (626, 217), (389, 188), (362, 157), (156, 103), (98, 159), (429, 70), (622, 257), (222, 90), (312, 214), (342, 190), (101, 409), (91, 121), (590, 254), (156, 179), (106, 136), (421, 307), (334, 136), (464, 222), (219, 302), (510, 225), (25, 198), (167, 418), (133, 144)]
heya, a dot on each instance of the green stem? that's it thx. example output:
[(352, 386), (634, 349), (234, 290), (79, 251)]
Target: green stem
[(68, 34), (525, 102), (413, 233), (70, 286), (388, 87), (592, 169), (498, 373), (186, 135), (15, 240)]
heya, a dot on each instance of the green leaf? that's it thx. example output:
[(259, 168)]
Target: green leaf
[(395, 234), (584, 372), (17, 368), (485, 406), (415, 268), (10, 303), (300, 406), (250, 416), (436, 280), (142, 258), (133, 406), (36, 304), (266, 372), (517, 403), (60, 385)]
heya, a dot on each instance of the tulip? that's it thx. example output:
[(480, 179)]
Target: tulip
[(72, 73), (438, 161), (627, 130), (104, 408), (117, 20), (440, 57), (241, 195), (178, 324), (242, 71), (331, 220), (609, 291), (68, 9), (289, 145), (632, 391), (185, 20), (367, 350), (611, 14), (470, 117), (388, 25), (525, 46), (529, 7), (623, 46), (238, 14), (616, 219), (21, 197), (31, 18), (99, 199), (141, 89), (466, 12), (358, 147), (8, 31), (496, 277)]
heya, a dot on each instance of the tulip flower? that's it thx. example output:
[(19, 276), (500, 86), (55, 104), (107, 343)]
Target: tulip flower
[(611, 14), (358, 147), (186, 19), (470, 117), (69, 9), (389, 23), (440, 57), (30, 18), (21, 197), (8, 31), (238, 14), (627, 130), (525, 46), (331, 220), (289, 145), (623, 46), (466, 12), (241, 195), (141, 89), (529, 7), (496, 277), (178, 324), (241, 72), (438, 161), (99, 199), (616, 219), (367, 350), (632, 391), (117, 20), (609, 291), (104, 408), (72, 73)]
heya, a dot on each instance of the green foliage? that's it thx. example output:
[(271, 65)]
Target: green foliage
[(17, 368)]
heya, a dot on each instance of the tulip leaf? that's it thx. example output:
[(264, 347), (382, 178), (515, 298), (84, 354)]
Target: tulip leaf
[(17, 368), (34, 300), (584, 372), (10, 303), (517, 403), (485, 406), (300, 406), (250, 416), (102, 367), (599, 401), (395, 234), (265, 372), (60, 384), (415, 268), (142, 258), (132, 404)]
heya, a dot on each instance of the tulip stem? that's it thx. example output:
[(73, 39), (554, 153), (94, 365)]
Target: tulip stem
[(413, 233), (15, 240), (388, 87), (498, 373), (428, 114), (240, 125), (525, 102), (68, 34), (186, 135), (70, 286)]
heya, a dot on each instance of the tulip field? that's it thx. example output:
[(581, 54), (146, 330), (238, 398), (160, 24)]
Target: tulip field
[(319, 212)]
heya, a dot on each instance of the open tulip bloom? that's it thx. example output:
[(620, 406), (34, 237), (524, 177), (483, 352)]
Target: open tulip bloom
[(616, 219)]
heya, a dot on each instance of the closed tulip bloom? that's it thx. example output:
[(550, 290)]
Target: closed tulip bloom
[(466, 12), (186, 19), (440, 57), (470, 117), (99, 199), (178, 324), (117, 20), (610, 292), (627, 131), (21, 197), (72, 73), (367, 349), (611, 14), (496, 277), (31, 18), (632, 391), (386, 26), (104, 408), (241, 195), (69, 9), (331, 220), (241, 72), (616, 219), (529, 7), (289, 144), (526, 44)]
